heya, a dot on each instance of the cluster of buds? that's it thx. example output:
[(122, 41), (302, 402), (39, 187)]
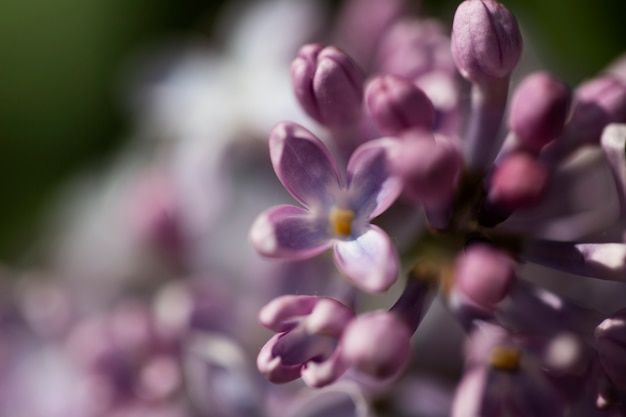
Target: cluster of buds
[(494, 196)]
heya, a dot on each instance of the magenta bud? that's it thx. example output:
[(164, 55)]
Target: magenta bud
[(328, 85), (486, 41), (377, 344), (397, 105), (518, 181), (597, 102), (484, 275), (611, 346), (539, 109)]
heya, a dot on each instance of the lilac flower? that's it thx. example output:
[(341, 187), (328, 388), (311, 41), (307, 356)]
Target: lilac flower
[(336, 215), (306, 344)]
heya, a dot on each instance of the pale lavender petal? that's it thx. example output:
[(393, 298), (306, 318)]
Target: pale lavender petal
[(303, 165), (371, 185), (329, 317), (319, 374), (478, 395), (596, 260), (289, 232), (283, 313), (272, 367), (613, 143), (370, 261)]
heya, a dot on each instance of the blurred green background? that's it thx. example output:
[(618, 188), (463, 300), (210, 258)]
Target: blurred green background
[(60, 60)]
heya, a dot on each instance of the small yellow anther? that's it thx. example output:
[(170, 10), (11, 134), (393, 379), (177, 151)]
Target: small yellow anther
[(341, 221), (505, 359)]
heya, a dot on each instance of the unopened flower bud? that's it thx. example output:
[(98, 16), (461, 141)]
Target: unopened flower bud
[(397, 105), (328, 85), (518, 181), (428, 167), (611, 347), (597, 102), (377, 344), (486, 41), (539, 109), (484, 275)]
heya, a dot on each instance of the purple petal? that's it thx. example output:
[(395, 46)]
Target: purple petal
[(303, 165), (613, 142), (298, 347), (372, 187), (272, 367), (596, 260), (329, 317), (370, 261), (478, 395), (319, 374), (289, 232), (283, 313)]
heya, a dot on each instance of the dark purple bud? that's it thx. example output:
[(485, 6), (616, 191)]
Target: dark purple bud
[(398, 105), (539, 109), (611, 347), (518, 181), (486, 41), (328, 85), (377, 344), (597, 102)]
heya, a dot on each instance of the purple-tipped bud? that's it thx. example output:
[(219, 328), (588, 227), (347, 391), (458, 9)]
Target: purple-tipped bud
[(484, 275), (539, 109), (328, 85), (486, 41), (597, 102), (397, 105), (377, 344), (519, 181), (428, 167), (611, 347)]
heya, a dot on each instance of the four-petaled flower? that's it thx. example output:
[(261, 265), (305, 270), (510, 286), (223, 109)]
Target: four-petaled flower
[(336, 213)]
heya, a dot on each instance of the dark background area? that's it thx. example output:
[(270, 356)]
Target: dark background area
[(60, 63)]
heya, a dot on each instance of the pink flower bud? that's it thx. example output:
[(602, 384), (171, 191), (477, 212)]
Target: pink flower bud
[(397, 105), (597, 102), (539, 109), (484, 275), (377, 344), (328, 85), (519, 181), (486, 41)]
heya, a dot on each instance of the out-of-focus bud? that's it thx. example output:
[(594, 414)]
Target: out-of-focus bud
[(397, 105), (539, 109), (611, 347), (377, 344), (428, 167), (518, 181), (486, 41), (484, 275), (328, 85), (597, 102)]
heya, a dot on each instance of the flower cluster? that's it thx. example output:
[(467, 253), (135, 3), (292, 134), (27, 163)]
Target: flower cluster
[(544, 188), (416, 226)]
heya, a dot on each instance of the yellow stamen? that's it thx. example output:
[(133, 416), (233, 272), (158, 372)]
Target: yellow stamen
[(341, 221), (505, 359)]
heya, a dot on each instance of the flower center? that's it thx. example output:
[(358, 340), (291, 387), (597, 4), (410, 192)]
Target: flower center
[(341, 221), (505, 358)]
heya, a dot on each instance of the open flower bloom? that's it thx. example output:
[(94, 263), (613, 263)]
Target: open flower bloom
[(335, 214)]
